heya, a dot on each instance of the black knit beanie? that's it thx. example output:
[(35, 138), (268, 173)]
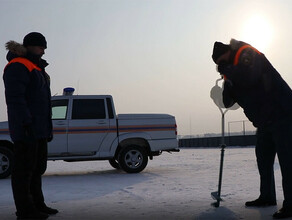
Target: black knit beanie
[(34, 39), (219, 49)]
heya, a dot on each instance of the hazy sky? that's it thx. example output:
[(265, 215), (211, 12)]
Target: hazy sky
[(153, 56)]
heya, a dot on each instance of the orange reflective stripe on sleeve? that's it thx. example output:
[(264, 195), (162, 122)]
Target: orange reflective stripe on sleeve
[(237, 55), (28, 64)]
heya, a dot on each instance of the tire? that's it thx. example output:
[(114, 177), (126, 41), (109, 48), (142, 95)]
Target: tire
[(6, 162), (114, 163), (133, 159)]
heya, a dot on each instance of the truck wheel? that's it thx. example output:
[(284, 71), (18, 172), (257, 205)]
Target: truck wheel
[(133, 159), (114, 163), (6, 161)]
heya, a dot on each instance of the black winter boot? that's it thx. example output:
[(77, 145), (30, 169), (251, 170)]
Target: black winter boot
[(32, 215), (47, 210), (283, 213), (260, 203)]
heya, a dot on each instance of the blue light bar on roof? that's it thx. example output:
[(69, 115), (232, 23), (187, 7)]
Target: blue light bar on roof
[(68, 91)]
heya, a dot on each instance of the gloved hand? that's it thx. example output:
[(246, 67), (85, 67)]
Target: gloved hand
[(29, 134), (221, 66), (50, 138)]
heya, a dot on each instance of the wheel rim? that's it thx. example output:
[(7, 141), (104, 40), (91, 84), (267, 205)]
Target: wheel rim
[(133, 159), (4, 163)]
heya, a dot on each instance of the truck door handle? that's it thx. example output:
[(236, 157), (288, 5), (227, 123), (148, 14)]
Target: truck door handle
[(101, 122), (60, 123)]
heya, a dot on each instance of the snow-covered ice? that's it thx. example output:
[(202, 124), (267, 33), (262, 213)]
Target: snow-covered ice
[(173, 186)]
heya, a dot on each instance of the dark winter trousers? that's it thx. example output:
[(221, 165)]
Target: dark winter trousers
[(271, 140), (30, 163)]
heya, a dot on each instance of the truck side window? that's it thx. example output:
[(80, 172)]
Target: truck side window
[(88, 109), (59, 109)]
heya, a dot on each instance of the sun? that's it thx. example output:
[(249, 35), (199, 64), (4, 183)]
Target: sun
[(258, 32)]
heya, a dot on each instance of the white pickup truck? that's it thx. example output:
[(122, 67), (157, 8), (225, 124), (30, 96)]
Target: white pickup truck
[(86, 127)]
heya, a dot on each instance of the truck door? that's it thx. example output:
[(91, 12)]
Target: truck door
[(58, 145), (88, 126)]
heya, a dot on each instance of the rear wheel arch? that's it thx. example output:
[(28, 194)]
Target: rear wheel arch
[(134, 141)]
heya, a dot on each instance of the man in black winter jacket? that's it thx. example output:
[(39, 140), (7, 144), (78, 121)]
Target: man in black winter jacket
[(28, 99), (253, 83)]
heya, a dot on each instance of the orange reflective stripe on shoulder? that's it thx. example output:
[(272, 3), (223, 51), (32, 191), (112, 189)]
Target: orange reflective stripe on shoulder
[(237, 55), (28, 64)]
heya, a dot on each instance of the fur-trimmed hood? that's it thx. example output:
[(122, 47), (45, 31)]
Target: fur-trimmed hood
[(16, 48)]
